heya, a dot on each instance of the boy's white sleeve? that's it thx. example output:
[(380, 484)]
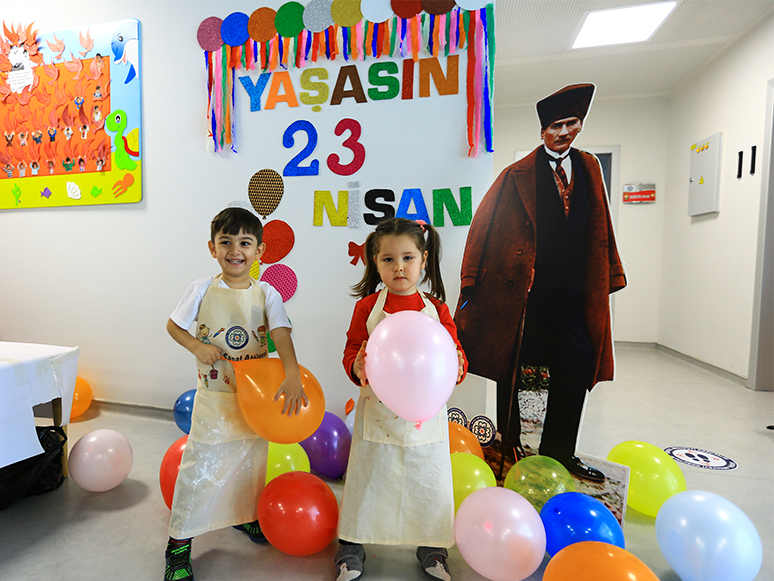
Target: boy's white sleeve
[(187, 310), (275, 308)]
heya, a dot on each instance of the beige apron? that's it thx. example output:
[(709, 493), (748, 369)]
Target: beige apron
[(398, 488), (223, 468)]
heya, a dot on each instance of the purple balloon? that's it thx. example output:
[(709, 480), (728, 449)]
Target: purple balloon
[(328, 447)]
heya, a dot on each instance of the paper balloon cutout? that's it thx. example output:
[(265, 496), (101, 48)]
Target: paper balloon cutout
[(346, 12), (265, 191), (317, 15), (406, 8), (438, 7), (260, 26), (233, 31), (208, 34), (257, 382), (279, 239), (283, 279), (290, 19), (377, 11)]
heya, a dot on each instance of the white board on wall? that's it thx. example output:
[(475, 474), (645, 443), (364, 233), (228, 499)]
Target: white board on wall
[(704, 180)]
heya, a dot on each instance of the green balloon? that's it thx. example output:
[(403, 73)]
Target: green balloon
[(538, 479), (285, 458)]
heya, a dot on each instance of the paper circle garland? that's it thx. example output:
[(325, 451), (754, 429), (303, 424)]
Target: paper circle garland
[(279, 239), (406, 8), (377, 11), (283, 279), (438, 7), (472, 4), (260, 26), (265, 191), (346, 12), (233, 30), (290, 19), (208, 34), (317, 15)]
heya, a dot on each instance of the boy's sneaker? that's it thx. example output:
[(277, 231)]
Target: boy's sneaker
[(434, 562), (349, 562), (252, 530), (178, 556)]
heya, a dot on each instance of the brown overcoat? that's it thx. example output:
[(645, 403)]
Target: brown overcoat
[(498, 270)]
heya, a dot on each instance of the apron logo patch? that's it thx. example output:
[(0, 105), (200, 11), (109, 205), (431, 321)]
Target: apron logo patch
[(237, 337)]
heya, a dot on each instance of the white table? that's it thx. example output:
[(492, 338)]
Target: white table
[(32, 374)]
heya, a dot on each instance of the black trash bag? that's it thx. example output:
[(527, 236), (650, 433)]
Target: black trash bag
[(36, 475)]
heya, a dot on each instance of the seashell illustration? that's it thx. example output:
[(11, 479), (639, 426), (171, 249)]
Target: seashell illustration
[(73, 191)]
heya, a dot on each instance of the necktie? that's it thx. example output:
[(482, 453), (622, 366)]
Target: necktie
[(560, 172)]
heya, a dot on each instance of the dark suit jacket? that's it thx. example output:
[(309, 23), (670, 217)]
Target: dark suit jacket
[(498, 269)]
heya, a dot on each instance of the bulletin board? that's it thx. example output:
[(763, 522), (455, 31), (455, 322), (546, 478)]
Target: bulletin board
[(71, 116)]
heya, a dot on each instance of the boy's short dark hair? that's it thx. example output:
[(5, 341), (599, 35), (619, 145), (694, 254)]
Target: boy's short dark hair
[(235, 220)]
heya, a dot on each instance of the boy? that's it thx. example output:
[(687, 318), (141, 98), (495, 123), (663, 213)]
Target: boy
[(224, 463)]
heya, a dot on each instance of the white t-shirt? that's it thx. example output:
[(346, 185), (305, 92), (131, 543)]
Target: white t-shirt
[(187, 310)]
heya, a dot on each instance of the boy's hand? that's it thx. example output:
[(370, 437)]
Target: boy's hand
[(461, 361), (295, 397), (207, 354), (358, 367)]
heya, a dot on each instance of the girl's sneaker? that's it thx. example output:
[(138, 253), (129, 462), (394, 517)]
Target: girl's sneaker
[(434, 562)]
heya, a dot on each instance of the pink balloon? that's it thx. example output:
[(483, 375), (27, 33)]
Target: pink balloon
[(100, 460), (500, 534), (411, 364)]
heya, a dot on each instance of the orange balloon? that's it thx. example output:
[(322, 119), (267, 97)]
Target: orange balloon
[(82, 397), (170, 466), (462, 439), (596, 561), (257, 381)]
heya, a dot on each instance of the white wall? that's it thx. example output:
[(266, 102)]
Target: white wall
[(708, 264), (107, 278), (639, 128)]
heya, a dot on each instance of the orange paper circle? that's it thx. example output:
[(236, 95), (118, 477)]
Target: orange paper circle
[(260, 25)]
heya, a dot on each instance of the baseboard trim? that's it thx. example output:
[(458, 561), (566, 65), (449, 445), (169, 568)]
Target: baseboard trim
[(146, 411), (687, 359)]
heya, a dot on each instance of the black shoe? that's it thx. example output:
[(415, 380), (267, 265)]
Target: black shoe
[(252, 530), (349, 561), (178, 556), (575, 466)]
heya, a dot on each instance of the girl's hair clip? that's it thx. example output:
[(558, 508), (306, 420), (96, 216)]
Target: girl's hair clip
[(422, 223)]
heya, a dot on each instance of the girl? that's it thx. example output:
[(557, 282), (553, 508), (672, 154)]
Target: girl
[(398, 489)]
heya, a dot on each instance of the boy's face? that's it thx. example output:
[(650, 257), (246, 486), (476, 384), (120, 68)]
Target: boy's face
[(235, 254)]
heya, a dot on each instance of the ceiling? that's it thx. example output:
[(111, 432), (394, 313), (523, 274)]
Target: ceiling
[(534, 58)]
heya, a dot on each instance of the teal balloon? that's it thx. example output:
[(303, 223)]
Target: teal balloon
[(705, 537), (538, 479)]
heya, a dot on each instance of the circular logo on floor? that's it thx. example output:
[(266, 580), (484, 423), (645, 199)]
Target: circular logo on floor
[(700, 458)]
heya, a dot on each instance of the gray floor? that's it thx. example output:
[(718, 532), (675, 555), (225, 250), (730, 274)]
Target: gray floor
[(121, 534)]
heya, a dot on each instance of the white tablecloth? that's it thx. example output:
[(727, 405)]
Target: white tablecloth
[(31, 374)]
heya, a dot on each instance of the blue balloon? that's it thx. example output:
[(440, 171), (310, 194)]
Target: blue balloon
[(328, 447), (573, 517), (705, 537), (182, 410)]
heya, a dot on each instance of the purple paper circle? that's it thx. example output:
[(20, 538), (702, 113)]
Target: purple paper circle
[(234, 29), (208, 34), (283, 279)]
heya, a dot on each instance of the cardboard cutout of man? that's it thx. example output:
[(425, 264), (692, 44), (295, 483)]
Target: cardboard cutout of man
[(539, 263)]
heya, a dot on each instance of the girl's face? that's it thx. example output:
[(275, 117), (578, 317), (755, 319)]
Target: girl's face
[(400, 263)]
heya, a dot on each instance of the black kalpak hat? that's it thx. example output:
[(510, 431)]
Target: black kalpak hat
[(571, 101)]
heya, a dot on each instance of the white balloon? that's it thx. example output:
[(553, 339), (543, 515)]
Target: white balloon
[(100, 460)]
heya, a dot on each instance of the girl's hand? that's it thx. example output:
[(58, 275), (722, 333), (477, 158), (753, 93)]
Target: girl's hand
[(461, 361), (295, 397), (358, 367), (207, 354)]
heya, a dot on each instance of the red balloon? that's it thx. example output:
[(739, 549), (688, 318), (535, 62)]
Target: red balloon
[(299, 513), (170, 466)]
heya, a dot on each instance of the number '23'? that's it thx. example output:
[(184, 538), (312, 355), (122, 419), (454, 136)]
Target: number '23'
[(294, 167)]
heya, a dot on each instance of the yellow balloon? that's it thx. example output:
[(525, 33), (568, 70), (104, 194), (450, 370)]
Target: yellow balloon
[(285, 458), (469, 473), (82, 397), (538, 479), (654, 476)]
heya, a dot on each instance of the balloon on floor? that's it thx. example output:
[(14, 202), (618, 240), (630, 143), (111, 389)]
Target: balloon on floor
[(462, 439), (328, 447), (469, 473), (705, 537), (595, 561), (82, 398), (500, 535), (653, 478), (100, 460), (284, 458), (257, 382), (170, 466), (572, 517), (539, 478), (182, 410), (298, 513)]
